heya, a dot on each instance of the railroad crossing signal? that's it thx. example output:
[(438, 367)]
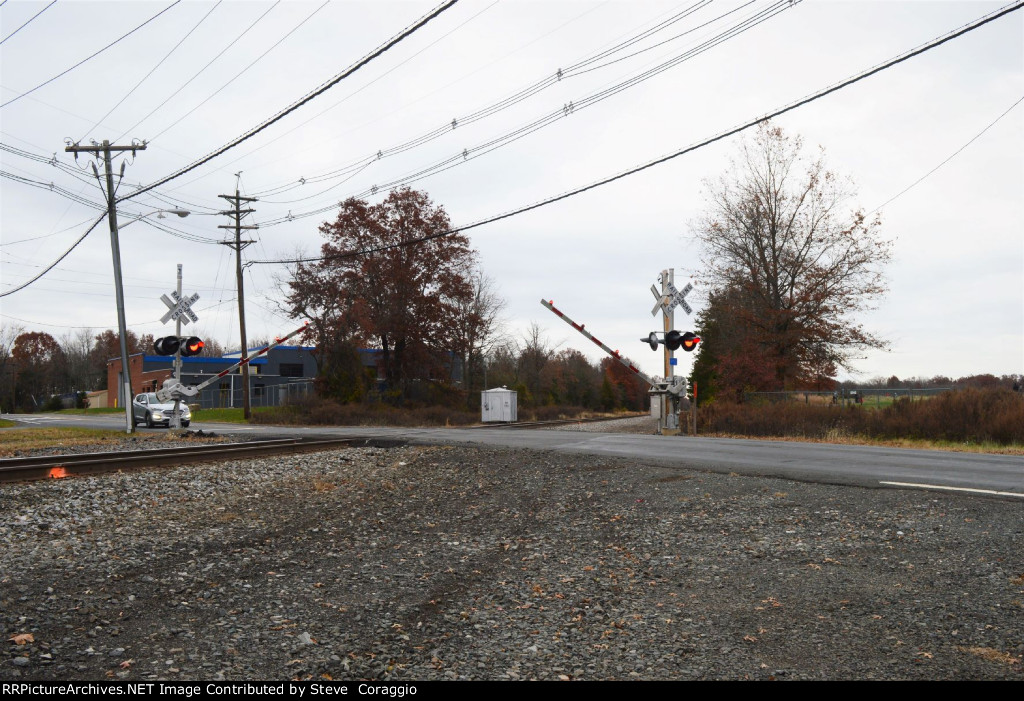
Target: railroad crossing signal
[(674, 340), (188, 345)]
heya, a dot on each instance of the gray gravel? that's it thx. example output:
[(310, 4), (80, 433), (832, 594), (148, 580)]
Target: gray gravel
[(464, 563)]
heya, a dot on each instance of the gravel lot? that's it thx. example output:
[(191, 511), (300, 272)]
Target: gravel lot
[(424, 563)]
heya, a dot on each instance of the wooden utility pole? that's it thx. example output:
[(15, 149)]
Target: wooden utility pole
[(238, 244), (115, 249)]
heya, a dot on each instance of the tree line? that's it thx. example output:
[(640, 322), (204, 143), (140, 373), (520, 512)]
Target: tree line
[(35, 366)]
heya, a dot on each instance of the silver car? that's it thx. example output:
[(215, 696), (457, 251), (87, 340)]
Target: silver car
[(149, 410)]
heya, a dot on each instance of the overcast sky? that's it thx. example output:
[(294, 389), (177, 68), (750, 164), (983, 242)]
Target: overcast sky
[(956, 299)]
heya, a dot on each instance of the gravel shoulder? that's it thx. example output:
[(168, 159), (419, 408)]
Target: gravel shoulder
[(422, 563)]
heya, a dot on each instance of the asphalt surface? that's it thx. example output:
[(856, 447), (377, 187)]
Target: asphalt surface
[(824, 463)]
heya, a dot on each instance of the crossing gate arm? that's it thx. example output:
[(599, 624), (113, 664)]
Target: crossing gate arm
[(613, 353), (174, 390)]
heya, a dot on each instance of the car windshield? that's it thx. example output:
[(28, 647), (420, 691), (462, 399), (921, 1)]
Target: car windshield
[(151, 398)]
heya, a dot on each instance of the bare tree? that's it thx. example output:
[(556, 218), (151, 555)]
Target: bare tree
[(479, 329), (82, 375), (789, 264), (8, 372)]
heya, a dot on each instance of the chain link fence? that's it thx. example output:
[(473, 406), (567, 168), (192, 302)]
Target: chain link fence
[(226, 397), (876, 396)]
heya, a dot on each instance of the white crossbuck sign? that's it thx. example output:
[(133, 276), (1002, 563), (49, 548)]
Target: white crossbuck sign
[(179, 308), (673, 298)]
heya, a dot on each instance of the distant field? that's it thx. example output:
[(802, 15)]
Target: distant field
[(965, 417)]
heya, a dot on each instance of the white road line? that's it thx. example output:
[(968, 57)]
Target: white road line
[(955, 489)]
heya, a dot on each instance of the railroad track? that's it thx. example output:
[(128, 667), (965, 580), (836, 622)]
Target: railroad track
[(557, 422), (59, 466)]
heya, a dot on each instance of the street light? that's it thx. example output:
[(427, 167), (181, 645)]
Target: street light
[(122, 329)]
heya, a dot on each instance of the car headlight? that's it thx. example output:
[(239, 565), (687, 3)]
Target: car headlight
[(157, 416)]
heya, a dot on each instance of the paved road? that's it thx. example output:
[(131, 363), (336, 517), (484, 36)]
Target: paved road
[(814, 462)]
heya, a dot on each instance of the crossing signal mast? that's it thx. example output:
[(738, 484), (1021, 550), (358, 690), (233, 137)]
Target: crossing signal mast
[(670, 390), (668, 298)]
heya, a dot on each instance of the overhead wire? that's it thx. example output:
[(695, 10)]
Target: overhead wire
[(291, 184), (551, 117), (89, 58), (29, 20), (240, 73), (494, 108), (153, 69), (367, 85), (947, 160), (200, 71), (56, 189), (928, 46), (165, 228), (79, 174), (54, 263), (291, 108)]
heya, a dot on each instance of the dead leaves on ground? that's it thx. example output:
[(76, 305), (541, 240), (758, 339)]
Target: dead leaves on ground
[(990, 654)]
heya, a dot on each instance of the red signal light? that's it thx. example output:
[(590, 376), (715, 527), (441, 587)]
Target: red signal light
[(192, 346)]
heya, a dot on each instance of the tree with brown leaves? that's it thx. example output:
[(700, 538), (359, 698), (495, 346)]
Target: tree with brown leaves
[(790, 268), (384, 282)]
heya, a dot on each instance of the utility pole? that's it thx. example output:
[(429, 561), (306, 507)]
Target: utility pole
[(126, 375), (238, 244)]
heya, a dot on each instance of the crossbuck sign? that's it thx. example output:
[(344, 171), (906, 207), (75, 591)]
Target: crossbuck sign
[(673, 298), (179, 308)]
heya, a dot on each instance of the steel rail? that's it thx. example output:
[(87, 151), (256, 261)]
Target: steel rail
[(556, 422), (59, 466)]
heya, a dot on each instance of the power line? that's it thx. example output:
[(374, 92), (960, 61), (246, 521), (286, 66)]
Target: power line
[(292, 184), (490, 110), (650, 164), (165, 228), (44, 236), (29, 20), (52, 188), (52, 265), (545, 120), (364, 87), (240, 73), (92, 56), (201, 70), (951, 157), (316, 93), (153, 69)]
